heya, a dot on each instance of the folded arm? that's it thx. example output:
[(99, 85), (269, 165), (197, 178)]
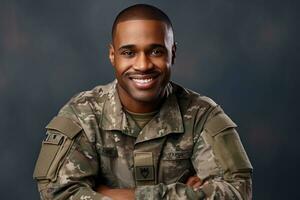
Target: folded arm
[(68, 164), (219, 160)]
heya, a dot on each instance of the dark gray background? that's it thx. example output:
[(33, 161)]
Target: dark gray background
[(243, 54)]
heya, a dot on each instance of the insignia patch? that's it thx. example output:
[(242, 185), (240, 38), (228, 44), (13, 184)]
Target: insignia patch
[(53, 138), (144, 167), (177, 155), (144, 173)]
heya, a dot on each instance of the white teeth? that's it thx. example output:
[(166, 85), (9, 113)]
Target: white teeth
[(142, 80)]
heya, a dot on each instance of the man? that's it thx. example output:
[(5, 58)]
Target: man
[(142, 136)]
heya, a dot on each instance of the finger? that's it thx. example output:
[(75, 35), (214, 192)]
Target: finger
[(192, 180), (197, 184), (102, 188)]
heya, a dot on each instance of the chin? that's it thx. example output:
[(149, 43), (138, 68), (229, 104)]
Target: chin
[(146, 98)]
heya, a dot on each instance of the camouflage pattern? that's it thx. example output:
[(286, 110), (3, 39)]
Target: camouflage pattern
[(189, 135)]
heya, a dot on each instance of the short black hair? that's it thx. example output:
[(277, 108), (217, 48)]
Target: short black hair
[(141, 11)]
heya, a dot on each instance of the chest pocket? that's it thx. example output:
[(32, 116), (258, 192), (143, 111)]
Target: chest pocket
[(60, 136), (175, 166)]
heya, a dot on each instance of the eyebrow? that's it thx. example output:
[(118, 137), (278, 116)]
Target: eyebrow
[(128, 46), (132, 46)]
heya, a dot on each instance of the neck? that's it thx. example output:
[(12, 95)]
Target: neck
[(135, 106), (141, 107)]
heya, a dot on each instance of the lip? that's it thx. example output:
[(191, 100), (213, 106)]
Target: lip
[(143, 76), (144, 81)]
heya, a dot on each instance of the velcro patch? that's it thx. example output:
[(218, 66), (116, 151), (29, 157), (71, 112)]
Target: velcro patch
[(53, 138), (144, 173), (144, 166), (176, 155)]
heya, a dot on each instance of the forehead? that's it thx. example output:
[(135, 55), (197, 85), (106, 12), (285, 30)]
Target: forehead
[(142, 31)]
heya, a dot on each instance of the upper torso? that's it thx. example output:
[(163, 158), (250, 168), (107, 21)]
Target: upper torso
[(161, 149)]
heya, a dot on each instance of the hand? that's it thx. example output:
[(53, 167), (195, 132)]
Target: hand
[(116, 194), (194, 181)]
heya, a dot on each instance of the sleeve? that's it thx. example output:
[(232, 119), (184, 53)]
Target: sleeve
[(219, 160), (67, 166)]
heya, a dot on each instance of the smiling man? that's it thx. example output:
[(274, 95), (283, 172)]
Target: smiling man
[(142, 136), (142, 52)]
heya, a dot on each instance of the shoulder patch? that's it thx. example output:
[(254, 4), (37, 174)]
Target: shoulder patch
[(219, 123), (64, 125)]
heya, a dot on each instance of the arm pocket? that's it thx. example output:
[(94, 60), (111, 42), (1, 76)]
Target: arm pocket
[(226, 144), (60, 137), (52, 152), (46, 157), (232, 153)]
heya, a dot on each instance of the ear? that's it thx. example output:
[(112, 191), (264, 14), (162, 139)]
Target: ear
[(174, 48), (112, 54)]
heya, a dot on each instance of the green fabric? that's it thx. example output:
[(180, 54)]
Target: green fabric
[(47, 155), (176, 136), (141, 118), (64, 125)]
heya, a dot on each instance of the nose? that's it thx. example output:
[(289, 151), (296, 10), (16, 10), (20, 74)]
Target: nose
[(143, 63)]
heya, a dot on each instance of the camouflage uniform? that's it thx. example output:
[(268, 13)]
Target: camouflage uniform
[(93, 141)]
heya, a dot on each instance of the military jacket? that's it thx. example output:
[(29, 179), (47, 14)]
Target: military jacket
[(93, 141)]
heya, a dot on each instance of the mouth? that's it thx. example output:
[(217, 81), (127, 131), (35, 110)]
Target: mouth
[(144, 81)]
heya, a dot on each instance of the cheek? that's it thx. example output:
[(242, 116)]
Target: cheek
[(122, 65), (162, 64)]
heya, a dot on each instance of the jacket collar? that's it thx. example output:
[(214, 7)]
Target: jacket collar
[(168, 119)]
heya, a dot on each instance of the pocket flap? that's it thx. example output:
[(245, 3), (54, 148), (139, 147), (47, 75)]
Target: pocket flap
[(64, 125), (218, 124)]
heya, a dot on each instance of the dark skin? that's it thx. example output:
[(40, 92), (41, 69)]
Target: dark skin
[(142, 53)]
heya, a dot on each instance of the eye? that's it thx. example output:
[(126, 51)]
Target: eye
[(127, 53), (157, 52)]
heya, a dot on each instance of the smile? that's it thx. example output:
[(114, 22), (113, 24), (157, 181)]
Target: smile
[(142, 81)]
